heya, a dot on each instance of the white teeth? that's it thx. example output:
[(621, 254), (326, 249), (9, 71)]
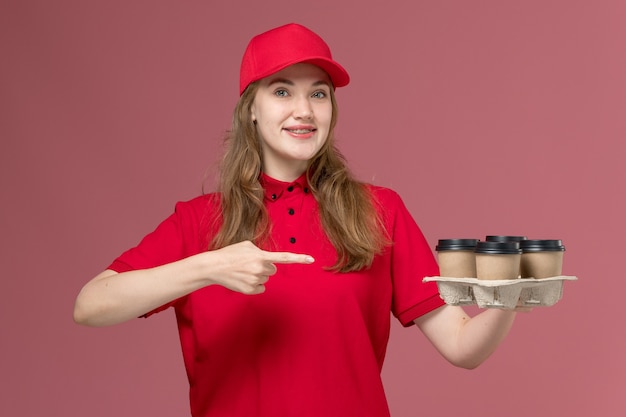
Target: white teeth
[(300, 131)]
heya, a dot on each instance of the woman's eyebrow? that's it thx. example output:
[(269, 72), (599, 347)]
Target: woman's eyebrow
[(280, 81)]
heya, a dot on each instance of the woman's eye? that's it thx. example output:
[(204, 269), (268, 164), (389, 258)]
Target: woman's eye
[(281, 93), (319, 94)]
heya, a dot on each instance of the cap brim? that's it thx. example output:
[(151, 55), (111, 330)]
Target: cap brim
[(338, 75)]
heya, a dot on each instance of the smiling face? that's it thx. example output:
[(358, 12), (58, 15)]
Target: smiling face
[(292, 110)]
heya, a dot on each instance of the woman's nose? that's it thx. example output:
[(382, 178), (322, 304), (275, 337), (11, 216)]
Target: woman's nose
[(303, 109)]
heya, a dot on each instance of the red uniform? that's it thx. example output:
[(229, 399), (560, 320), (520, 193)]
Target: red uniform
[(314, 342)]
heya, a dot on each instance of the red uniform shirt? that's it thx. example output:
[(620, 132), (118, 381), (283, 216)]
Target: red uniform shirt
[(313, 343)]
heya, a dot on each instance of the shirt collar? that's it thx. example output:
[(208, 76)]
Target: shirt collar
[(274, 188)]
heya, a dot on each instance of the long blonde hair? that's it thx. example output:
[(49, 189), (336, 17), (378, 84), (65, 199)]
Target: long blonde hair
[(347, 208)]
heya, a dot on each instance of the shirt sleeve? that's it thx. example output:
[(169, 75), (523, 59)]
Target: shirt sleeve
[(177, 237), (411, 261)]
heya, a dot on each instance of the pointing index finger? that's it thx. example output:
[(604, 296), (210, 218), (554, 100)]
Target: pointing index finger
[(288, 258)]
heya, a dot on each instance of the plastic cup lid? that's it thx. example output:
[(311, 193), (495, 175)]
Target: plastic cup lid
[(498, 248), (542, 245), (505, 238), (456, 244)]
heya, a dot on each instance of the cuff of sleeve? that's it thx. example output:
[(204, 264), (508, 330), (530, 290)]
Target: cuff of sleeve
[(119, 267), (418, 310)]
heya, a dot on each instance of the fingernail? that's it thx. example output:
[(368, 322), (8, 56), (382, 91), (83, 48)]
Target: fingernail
[(309, 259)]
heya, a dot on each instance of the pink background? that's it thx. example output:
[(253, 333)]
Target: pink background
[(488, 117)]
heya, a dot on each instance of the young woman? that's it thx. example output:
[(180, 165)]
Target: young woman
[(283, 280)]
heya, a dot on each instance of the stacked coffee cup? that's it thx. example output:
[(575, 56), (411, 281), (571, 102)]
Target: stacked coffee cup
[(500, 257)]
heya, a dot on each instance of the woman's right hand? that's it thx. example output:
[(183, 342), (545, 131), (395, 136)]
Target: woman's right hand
[(244, 268)]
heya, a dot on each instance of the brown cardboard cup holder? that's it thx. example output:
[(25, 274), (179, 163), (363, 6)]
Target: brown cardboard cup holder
[(504, 294)]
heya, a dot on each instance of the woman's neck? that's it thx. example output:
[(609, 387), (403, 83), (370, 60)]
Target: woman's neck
[(285, 175)]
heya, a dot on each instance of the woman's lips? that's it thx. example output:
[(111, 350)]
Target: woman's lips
[(300, 131)]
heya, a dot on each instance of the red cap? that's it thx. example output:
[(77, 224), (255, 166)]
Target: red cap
[(283, 46)]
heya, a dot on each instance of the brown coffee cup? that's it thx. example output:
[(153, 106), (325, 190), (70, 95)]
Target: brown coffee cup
[(497, 260), (456, 258), (541, 258)]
